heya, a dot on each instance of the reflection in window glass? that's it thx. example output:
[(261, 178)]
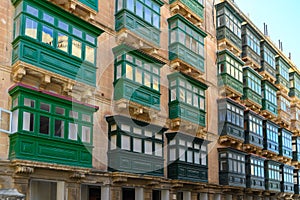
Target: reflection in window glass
[(62, 42), (155, 83), (48, 18), (156, 20), (130, 5), (63, 25), (45, 107), (138, 76), (44, 125), (147, 80), (129, 72), (89, 38), (60, 111), (73, 131), (31, 28), (77, 32), (120, 5), (148, 15), (29, 102), (139, 9), (76, 48), (137, 145), (90, 54), (59, 128), (32, 10), (73, 114), (148, 147), (17, 27), (113, 142), (86, 134)]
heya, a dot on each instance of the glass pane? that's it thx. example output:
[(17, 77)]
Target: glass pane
[(77, 32), (86, 118), (76, 48), (147, 80), (156, 20), (48, 18), (32, 10), (158, 149), (31, 28), (5, 117), (129, 72), (138, 76), (73, 114), (59, 128), (172, 154), (45, 107), (28, 120), (148, 147), (139, 9), (63, 25), (44, 125), (155, 83), (60, 111), (148, 15), (137, 145), (62, 42), (120, 5), (125, 142), (86, 134), (113, 142), (29, 102), (130, 5), (90, 54), (73, 131)]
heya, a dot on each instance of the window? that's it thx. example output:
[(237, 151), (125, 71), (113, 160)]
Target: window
[(6, 121), (284, 70), (257, 167), (234, 160), (139, 71), (227, 64), (284, 104), (286, 143), (270, 94), (253, 42), (254, 83), (54, 190), (188, 92), (49, 29), (148, 10), (288, 174), (28, 121), (272, 133), (235, 115), (255, 125), (273, 171), (230, 21), (269, 57)]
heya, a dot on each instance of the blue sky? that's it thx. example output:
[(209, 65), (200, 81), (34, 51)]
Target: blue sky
[(282, 18)]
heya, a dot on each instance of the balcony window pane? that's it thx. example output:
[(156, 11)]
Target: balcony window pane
[(44, 125), (59, 128), (29, 102), (137, 145), (156, 20), (182, 154), (113, 142), (77, 32), (148, 147), (31, 28), (28, 121), (189, 156), (158, 149), (62, 42), (148, 15), (155, 83), (90, 54), (139, 9), (147, 80), (130, 5), (60, 111), (73, 131), (129, 72), (33, 11), (73, 114), (76, 48), (120, 5), (45, 107), (86, 134), (138, 76), (63, 25), (48, 18), (125, 142)]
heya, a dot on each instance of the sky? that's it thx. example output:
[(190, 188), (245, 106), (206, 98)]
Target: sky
[(283, 20)]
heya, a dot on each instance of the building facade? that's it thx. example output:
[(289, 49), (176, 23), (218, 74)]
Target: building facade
[(120, 99)]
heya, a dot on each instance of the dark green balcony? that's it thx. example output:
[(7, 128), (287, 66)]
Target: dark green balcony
[(50, 38), (231, 119), (271, 140), (287, 182), (252, 87), (142, 18), (49, 128), (135, 146), (285, 143), (272, 175), (268, 69), (294, 85), (296, 148), (187, 99), (251, 46), (187, 157), (229, 26), (255, 172), (269, 100), (253, 129), (91, 3), (194, 5), (282, 74), (230, 76), (186, 42), (228, 174), (137, 77), (297, 181)]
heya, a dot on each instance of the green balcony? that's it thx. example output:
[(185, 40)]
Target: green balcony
[(193, 5), (294, 85), (252, 87), (91, 3), (230, 73), (137, 77), (135, 146), (187, 99), (49, 128), (268, 69), (140, 17), (272, 175), (187, 157), (269, 100), (282, 74), (186, 43), (50, 38)]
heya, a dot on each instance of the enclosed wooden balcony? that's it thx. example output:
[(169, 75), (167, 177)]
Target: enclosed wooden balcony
[(250, 46), (193, 10), (272, 176), (285, 146), (269, 100), (295, 119), (255, 176), (271, 140), (295, 87), (252, 89), (282, 75), (296, 151), (297, 181), (287, 182), (284, 110), (268, 69)]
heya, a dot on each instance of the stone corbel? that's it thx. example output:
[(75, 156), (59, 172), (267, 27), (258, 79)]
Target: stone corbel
[(77, 175), (46, 79), (68, 87), (24, 170), (19, 74)]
